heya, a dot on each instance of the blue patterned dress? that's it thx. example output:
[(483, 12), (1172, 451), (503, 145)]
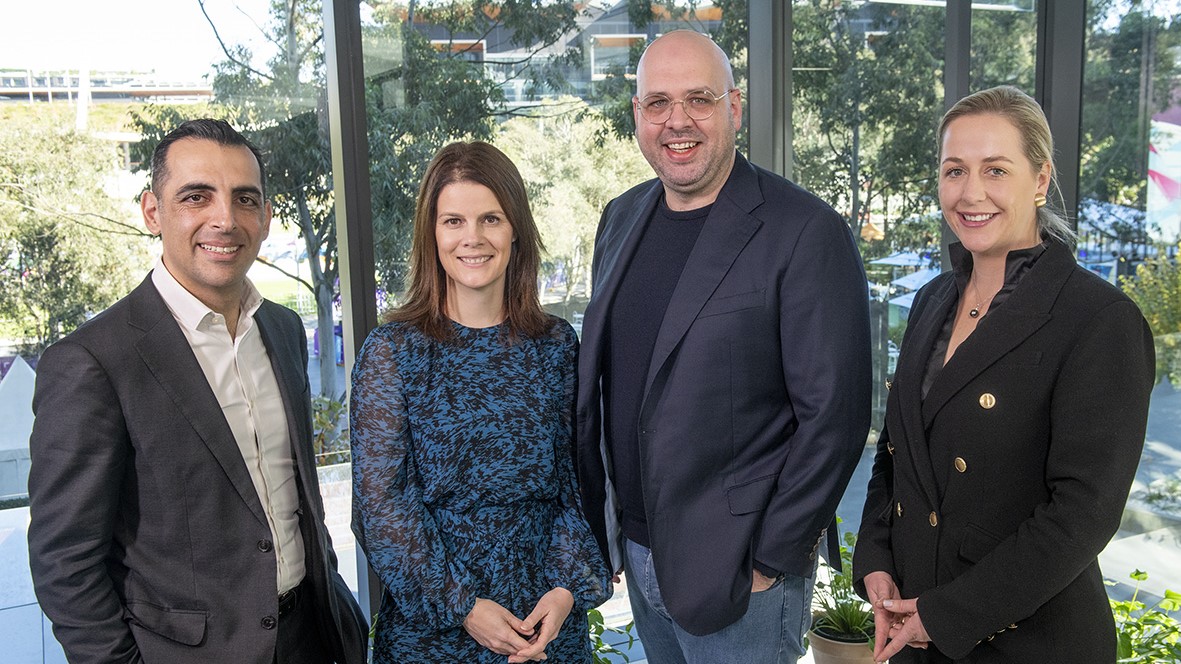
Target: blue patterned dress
[(463, 487)]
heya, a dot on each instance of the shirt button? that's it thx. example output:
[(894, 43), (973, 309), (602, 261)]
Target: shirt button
[(933, 519), (961, 465), (269, 622), (265, 545)]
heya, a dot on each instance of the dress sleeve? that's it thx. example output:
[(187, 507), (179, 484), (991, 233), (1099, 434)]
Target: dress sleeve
[(573, 560), (391, 522)]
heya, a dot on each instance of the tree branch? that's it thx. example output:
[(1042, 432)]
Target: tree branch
[(285, 273), (74, 218), (225, 49)]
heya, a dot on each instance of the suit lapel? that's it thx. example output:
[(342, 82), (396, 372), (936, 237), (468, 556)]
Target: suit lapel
[(1026, 310), (167, 354), (288, 360), (727, 230), (616, 255), (914, 355), (291, 379)]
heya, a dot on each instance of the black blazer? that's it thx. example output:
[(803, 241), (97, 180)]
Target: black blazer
[(991, 499), (756, 403), (147, 539)]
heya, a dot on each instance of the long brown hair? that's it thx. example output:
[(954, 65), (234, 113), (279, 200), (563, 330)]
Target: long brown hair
[(482, 164)]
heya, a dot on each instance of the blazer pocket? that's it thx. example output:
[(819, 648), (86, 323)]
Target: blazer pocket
[(729, 303), (751, 496), (182, 626), (977, 543)]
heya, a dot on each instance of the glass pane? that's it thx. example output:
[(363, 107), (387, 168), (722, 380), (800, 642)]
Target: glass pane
[(551, 87), (867, 94), (1004, 45), (1128, 224)]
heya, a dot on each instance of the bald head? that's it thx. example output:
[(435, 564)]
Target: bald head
[(691, 148), (684, 49)]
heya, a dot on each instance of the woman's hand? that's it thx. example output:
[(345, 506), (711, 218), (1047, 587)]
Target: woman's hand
[(544, 622), (879, 587), (496, 628), (907, 630)]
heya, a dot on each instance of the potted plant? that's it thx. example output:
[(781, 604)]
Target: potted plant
[(842, 623), (1147, 633)]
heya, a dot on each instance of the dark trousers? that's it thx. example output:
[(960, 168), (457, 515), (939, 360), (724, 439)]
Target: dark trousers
[(300, 640)]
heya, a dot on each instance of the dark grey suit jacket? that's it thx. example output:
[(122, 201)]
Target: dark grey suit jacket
[(147, 539), (992, 497), (756, 402)]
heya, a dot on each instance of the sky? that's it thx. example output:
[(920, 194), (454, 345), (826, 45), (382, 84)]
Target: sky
[(170, 37)]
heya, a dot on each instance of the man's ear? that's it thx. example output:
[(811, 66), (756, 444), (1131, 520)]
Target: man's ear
[(149, 205)]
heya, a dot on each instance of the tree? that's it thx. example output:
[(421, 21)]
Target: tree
[(1129, 76), (570, 180), (67, 250), (867, 98)]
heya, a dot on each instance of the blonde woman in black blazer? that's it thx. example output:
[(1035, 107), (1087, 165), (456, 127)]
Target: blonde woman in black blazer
[(1014, 424)]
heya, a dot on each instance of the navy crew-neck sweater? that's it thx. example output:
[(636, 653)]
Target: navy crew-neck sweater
[(633, 323)]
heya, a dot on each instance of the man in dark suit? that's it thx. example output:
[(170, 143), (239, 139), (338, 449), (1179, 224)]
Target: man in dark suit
[(724, 376), (175, 514)]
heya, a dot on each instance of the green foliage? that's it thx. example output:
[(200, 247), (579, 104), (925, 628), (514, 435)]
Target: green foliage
[(1129, 73), (67, 249), (330, 431), (840, 613), (1148, 633), (556, 153), (1162, 493), (1156, 289), (866, 102), (604, 652)]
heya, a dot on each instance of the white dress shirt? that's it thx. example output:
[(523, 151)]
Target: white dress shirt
[(239, 372)]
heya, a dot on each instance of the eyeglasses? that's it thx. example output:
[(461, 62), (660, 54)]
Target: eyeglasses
[(657, 109)]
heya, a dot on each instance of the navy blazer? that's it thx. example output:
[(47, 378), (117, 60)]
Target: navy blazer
[(756, 403), (147, 539), (991, 498)]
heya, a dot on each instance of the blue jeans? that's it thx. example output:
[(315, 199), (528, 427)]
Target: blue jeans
[(771, 632)]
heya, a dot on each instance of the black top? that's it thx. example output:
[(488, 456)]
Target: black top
[(1017, 263), (633, 322)]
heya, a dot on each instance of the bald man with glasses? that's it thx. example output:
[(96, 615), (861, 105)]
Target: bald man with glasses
[(724, 377)]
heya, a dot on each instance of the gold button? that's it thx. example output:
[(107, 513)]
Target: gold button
[(987, 400), (898, 509), (933, 519), (890, 448), (889, 384), (960, 464)]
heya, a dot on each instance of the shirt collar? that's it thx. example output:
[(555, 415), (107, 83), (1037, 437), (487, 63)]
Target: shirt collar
[(1017, 263), (186, 308)]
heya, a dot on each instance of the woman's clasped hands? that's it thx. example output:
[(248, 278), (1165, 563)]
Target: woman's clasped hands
[(895, 618), (498, 630)]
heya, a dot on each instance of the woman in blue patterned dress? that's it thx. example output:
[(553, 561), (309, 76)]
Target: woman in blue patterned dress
[(464, 495)]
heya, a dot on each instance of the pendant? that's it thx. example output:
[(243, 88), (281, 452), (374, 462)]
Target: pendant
[(974, 312)]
